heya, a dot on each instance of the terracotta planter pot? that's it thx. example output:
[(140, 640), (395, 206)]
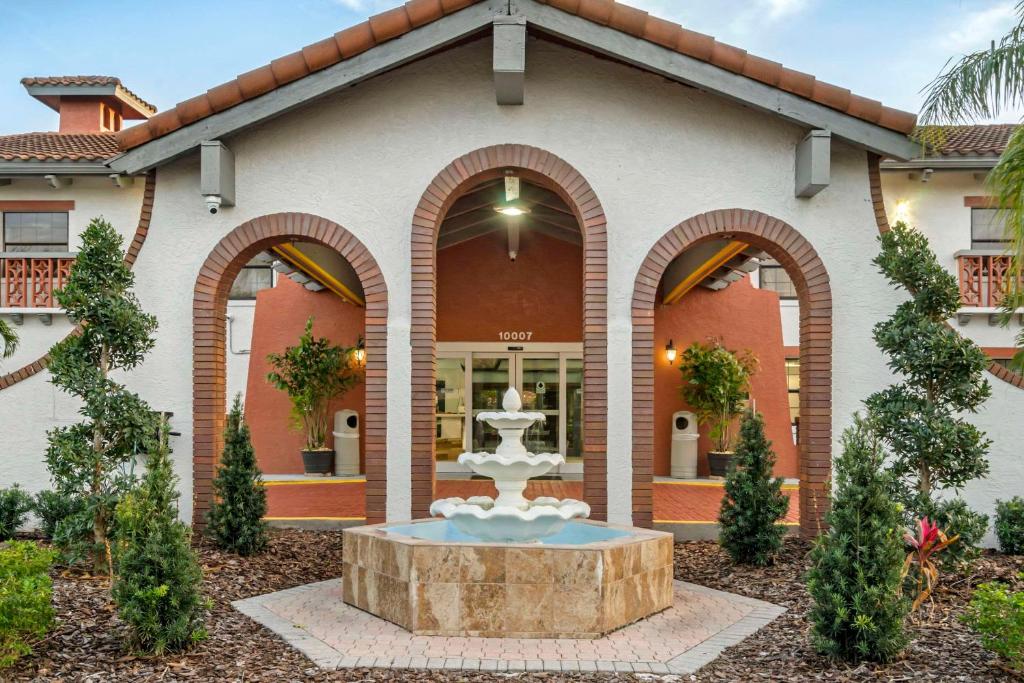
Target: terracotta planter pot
[(320, 461), (718, 462)]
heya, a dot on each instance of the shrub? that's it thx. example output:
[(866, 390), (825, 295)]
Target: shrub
[(920, 567), (956, 519), (1010, 525), (157, 588), (715, 384), (53, 508), (91, 460), (15, 505), (754, 502), (859, 610), (236, 521), (25, 592), (998, 616), (312, 374), (923, 420)]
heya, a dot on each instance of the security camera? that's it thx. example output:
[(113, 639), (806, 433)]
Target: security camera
[(212, 202)]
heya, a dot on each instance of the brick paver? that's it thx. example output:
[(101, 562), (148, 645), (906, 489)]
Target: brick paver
[(701, 623), (673, 501)]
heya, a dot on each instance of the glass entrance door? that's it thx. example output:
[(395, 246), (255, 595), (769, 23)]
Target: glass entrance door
[(471, 380)]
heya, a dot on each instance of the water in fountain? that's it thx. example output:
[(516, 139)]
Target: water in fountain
[(511, 517)]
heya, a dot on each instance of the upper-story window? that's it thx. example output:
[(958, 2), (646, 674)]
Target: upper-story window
[(988, 229), (35, 231), (774, 277), (257, 274)]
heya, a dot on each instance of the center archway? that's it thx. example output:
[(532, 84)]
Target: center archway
[(545, 170)]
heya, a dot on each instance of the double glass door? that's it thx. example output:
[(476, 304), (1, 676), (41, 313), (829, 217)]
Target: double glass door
[(471, 380)]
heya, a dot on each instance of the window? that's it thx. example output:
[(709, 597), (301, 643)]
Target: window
[(775, 278), (793, 385), (257, 274), (37, 231), (988, 230)]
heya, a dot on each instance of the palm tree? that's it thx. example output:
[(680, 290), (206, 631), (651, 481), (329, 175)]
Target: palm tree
[(980, 85), (8, 340)]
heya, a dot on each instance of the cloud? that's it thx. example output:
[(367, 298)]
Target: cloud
[(977, 29), (367, 5)]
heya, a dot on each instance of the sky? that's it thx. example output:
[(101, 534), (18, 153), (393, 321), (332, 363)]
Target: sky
[(167, 52)]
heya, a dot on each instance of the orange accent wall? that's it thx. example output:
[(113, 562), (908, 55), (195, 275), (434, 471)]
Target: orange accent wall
[(743, 317), (280, 318), (481, 293)]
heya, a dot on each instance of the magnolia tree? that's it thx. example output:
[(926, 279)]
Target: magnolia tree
[(931, 446), (92, 460)]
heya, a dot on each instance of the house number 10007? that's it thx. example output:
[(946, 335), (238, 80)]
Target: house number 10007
[(515, 336)]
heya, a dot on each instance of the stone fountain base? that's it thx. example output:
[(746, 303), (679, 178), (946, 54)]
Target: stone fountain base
[(507, 590)]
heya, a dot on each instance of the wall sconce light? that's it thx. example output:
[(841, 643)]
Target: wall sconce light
[(361, 351), (670, 352), (902, 210)]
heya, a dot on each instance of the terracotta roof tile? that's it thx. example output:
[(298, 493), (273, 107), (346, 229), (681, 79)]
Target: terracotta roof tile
[(83, 81), (983, 140), (58, 147), (400, 20)]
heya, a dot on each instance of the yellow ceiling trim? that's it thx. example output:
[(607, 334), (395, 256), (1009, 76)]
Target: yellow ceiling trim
[(310, 267), (711, 265)]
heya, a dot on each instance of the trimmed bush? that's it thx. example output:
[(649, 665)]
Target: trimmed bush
[(53, 508), (15, 505), (1010, 525), (998, 616), (235, 522), (25, 593), (859, 609), (754, 502), (157, 588)]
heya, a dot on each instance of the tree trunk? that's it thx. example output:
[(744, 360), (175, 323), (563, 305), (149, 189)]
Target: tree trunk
[(99, 521)]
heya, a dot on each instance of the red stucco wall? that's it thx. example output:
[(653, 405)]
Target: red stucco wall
[(743, 318), (280, 318), (481, 293)]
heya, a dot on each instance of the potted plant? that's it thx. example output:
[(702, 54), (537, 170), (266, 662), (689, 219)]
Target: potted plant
[(716, 382), (312, 374)]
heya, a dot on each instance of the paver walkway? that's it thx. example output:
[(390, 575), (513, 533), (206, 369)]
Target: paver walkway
[(680, 640), (342, 499)]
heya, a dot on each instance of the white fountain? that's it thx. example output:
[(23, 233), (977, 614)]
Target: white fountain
[(510, 518)]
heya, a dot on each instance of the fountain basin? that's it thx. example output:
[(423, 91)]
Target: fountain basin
[(484, 519), (432, 579)]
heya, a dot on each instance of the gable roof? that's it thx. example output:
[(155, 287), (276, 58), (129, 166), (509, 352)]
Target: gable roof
[(415, 13), (58, 146), (47, 89), (987, 140)]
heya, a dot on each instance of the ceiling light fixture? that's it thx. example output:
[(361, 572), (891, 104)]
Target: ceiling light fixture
[(512, 209)]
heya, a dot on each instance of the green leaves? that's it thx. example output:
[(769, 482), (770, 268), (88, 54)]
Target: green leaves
[(312, 373), (715, 384), (15, 505), (1009, 525), (8, 340), (855, 582), (26, 613), (235, 521), (998, 615), (754, 502)]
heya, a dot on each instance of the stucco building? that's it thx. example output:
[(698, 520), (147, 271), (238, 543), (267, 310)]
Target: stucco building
[(657, 165)]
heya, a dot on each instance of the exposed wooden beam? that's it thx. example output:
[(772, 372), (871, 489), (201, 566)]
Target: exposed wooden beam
[(702, 271), (444, 241)]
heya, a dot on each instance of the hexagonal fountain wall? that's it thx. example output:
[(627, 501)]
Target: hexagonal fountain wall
[(508, 567)]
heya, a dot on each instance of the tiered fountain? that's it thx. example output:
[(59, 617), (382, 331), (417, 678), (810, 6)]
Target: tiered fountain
[(510, 517), (508, 566)]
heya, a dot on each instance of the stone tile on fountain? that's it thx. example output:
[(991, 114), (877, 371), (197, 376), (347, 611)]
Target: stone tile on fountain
[(437, 607), (482, 564), (482, 607), (576, 609), (529, 607), (436, 564), (528, 565), (577, 567)]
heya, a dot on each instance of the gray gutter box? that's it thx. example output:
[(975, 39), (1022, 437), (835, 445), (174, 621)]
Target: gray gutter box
[(813, 160)]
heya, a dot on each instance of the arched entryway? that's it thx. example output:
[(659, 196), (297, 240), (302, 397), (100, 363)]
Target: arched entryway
[(794, 253), (552, 173), (209, 339)]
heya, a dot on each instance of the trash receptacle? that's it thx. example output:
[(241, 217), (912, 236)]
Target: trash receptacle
[(346, 443), (684, 445)]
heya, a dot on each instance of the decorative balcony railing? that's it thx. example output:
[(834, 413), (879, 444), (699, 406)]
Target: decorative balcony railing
[(984, 277), (28, 279)]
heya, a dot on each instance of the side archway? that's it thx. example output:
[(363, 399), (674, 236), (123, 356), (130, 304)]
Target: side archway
[(783, 243), (209, 310), (541, 167)]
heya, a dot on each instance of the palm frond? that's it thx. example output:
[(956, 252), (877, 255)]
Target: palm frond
[(981, 84), (8, 340)]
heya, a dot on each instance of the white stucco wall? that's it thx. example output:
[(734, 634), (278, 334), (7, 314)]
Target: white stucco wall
[(655, 153), (30, 408)]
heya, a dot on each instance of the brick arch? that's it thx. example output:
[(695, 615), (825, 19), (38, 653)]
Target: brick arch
[(809, 276), (209, 307), (541, 167)]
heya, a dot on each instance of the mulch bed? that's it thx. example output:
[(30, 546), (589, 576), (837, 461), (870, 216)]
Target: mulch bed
[(941, 648), (86, 644)]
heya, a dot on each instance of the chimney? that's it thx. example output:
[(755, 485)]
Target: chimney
[(88, 104)]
